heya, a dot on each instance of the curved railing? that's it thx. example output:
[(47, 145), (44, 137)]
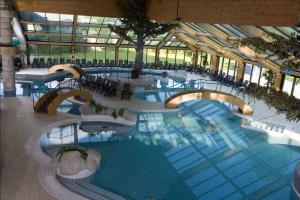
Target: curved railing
[(50, 101), (76, 71), (208, 89)]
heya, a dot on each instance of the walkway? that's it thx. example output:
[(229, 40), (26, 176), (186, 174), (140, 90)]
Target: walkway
[(19, 172)]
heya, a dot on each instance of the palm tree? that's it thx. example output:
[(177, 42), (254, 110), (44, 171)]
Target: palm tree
[(135, 20)]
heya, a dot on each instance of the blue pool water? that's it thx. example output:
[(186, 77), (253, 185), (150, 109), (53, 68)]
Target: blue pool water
[(200, 152)]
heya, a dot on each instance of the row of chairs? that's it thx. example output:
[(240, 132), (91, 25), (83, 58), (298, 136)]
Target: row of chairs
[(83, 63), (105, 86), (227, 79), (199, 69), (101, 85)]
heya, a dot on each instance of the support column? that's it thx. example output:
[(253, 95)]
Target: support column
[(156, 58), (278, 81), (7, 50), (214, 65), (240, 72), (117, 56), (195, 58)]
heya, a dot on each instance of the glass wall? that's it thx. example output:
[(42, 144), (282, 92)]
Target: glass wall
[(65, 52), (100, 53), (149, 56), (297, 88), (227, 66), (123, 54), (288, 84), (291, 86), (263, 81), (110, 53), (171, 56), (204, 59), (33, 52), (188, 57), (80, 52), (179, 56), (247, 72), (232, 68), (163, 55), (131, 54), (256, 73)]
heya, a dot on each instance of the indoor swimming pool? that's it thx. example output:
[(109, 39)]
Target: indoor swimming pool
[(199, 152)]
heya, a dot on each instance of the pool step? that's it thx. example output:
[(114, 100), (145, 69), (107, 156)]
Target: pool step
[(88, 190)]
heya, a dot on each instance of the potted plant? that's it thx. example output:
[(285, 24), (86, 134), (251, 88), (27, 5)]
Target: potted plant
[(121, 112), (164, 77), (114, 114)]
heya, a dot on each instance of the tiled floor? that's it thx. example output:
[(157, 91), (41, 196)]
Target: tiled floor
[(18, 170)]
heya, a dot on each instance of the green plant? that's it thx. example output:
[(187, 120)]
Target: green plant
[(281, 101), (164, 74), (135, 22), (287, 49), (92, 103), (114, 114), (270, 77), (98, 108), (121, 112), (64, 149), (204, 60)]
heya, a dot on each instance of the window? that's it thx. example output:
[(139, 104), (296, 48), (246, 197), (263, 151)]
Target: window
[(55, 52), (33, 52), (65, 52), (131, 54), (100, 53), (263, 81), (288, 84), (123, 54), (163, 55), (90, 53), (188, 57), (171, 56), (297, 88), (150, 55), (247, 72), (110, 53), (232, 68), (80, 52), (179, 56), (221, 62), (255, 74), (43, 51), (226, 65)]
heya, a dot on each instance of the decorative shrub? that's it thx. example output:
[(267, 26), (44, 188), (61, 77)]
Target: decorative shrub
[(64, 149), (284, 104)]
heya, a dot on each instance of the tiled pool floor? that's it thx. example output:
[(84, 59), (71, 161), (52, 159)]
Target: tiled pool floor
[(199, 153)]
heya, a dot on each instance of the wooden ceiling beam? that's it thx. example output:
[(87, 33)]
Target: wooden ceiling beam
[(191, 43), (164, 41), (249, 52), (95, 45), (246, 12), (227, 52)]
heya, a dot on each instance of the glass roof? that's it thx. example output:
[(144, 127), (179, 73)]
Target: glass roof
[(54, 27)]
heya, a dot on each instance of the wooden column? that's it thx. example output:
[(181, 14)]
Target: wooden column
[(214, 65), (156, 57), (240, 71), (278, 81), (195, 58)]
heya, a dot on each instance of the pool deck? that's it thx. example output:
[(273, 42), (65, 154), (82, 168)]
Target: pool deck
[(19, 172)]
